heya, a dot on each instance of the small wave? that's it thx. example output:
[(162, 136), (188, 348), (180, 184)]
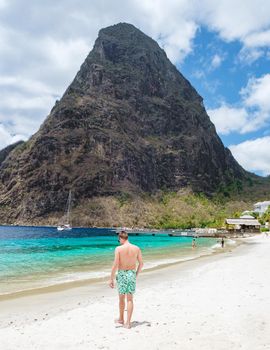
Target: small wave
[(216, 246), (163, 262), (230, 241), (80, 276), (152, 264)]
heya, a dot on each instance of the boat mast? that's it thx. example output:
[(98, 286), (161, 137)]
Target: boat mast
[(68, 207)]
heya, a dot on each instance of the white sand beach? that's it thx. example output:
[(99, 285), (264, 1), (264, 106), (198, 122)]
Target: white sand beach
[(217, 302)]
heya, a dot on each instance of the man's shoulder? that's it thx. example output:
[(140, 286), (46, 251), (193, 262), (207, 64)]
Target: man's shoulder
[(135, 247)]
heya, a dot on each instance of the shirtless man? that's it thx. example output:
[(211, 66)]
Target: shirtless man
[(126, 257)]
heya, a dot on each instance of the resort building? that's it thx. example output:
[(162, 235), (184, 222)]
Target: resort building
[(244, 224), (261, 207)]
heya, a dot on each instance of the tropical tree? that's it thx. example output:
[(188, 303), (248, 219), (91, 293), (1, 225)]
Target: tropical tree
[(266, 215)]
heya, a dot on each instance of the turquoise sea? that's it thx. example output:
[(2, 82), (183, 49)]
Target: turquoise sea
[(33, 257)]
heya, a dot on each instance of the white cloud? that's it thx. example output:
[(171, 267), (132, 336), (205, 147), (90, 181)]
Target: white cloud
[(177, 44), (257, 93), (25, 84), (228, 119), (23, 124), (173, 25), (216, 61), (250, 55), (19, 102), (7, 138), (65, 54), (258, 39), (246, 21), (252, 115), (254, 155), (24, 104), (235, 19)]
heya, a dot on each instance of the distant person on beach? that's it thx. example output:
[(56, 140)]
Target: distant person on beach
[(126, 257), (194, 243), (222, 242)]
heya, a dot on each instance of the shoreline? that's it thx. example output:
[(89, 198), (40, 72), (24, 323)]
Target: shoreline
[(62, 286), (99, 285)]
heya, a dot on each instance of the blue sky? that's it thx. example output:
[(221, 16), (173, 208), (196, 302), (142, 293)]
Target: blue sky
[(222, 47), (218, 73)]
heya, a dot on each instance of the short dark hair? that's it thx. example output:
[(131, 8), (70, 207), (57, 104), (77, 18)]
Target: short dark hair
[(123, 235)]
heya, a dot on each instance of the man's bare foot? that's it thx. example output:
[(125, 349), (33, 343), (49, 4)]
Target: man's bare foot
[(127, 325), (117, 320)]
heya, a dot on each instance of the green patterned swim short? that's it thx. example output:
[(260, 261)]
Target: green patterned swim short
[(126, 281)]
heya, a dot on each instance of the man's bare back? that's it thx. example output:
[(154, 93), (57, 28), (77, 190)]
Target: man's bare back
[(128, 256)]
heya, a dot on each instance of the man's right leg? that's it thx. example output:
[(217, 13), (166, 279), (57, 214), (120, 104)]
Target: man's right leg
[(129, 310), (121, 308)]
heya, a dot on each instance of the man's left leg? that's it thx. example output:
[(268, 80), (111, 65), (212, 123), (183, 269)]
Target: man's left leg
[(121, 308)]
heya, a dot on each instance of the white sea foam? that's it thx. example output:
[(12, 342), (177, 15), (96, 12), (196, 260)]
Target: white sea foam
[(219, 246), (81, 276), (230, 241), (161, 262), (156, 263), (216, 246)]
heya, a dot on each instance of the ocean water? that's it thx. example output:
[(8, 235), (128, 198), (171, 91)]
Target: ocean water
[(33, 257)]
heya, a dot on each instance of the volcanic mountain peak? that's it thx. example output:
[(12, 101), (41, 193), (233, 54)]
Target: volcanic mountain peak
[(129, 122)]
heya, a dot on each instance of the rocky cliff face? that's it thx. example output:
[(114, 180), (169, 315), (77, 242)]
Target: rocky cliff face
[(129, 122)]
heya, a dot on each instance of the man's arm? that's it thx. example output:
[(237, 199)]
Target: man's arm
[(114, 267), (140, 260)]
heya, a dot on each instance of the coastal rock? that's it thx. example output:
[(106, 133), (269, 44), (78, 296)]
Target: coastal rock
[(128, 123)]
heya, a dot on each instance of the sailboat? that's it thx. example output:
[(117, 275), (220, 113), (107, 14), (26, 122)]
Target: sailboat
[(65, 220)]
